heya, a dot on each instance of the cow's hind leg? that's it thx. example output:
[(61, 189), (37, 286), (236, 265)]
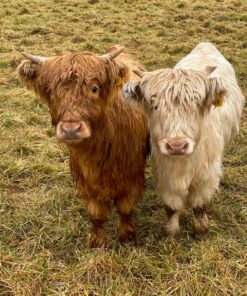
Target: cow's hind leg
[(98, 212), (125, 207)]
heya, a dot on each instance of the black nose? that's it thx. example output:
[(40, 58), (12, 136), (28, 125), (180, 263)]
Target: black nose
[(70, 129)]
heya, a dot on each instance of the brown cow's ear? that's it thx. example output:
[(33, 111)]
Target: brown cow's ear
[(122, 75), (29, 74), (28, 71)]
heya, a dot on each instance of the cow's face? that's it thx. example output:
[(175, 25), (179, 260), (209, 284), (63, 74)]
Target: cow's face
[(177, 102), (76, 87)]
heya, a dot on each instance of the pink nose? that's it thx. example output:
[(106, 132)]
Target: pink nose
[(70, 130), (177, 146)]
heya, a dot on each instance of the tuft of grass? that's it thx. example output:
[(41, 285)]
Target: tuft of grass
[(43, 226)]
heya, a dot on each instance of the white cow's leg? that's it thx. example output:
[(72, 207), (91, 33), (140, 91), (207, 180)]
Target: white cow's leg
[(201, 222), (199, 199), (173, 205), (172, 226)]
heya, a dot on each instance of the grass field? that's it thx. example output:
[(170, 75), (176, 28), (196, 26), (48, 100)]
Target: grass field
[(43, 227)]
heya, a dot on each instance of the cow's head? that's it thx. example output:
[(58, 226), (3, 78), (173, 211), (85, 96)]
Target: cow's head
[(177, 102), (76, 87)]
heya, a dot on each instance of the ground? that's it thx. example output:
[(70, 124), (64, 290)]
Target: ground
[(43, 227)]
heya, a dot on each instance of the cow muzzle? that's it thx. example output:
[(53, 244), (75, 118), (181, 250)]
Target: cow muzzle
[(72, 131), (177, 146)]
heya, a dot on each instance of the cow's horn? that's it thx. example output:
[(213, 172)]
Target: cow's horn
[(35, 59), (210, 69), (139, 72), (113, 54)]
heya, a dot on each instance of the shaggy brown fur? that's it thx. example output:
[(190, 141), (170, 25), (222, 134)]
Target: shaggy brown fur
[(108, 166)]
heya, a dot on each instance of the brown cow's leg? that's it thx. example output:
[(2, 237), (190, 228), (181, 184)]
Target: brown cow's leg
[(126, 229), (125, 209), (172, 226), (201, 221), (98, 212)]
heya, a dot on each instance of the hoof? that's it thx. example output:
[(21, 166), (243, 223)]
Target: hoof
[(127, 237), (172, 229), (96, 241), (201, 224)]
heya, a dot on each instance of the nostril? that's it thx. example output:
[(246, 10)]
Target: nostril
[(186, 145), (62, 129), (78, 127), (168, 147)]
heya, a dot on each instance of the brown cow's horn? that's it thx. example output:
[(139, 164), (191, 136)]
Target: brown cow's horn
[(139, 72), (35, 59), (210, 69), (113, 54)]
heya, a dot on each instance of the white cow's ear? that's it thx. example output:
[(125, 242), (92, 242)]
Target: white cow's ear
[(215, 92), (132, 90)]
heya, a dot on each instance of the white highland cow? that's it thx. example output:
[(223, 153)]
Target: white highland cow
[(194, 113)]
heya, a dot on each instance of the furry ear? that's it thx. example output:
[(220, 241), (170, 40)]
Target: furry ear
[(122, 76), (28, 70), (215, 92), (29, 73), (132, 90)]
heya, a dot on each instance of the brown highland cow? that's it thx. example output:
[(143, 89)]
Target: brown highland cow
[(106, 136)]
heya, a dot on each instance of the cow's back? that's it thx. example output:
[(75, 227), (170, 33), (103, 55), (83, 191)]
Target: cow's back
[(206, 55)]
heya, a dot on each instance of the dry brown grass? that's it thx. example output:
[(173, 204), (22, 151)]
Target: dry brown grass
[(43, 228)]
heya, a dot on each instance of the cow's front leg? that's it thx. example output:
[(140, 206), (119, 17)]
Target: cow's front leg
[(174, 205), (125, 208), (172, 226), (200, 196), (98, 212), (200, 222)]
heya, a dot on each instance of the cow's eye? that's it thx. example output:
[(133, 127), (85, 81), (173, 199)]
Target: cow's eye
[(95, 89)]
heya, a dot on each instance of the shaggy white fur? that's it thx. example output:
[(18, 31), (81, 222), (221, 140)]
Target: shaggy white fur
[(199, 101)]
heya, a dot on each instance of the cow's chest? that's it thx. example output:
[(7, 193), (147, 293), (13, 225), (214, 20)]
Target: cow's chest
[(96, 177)]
